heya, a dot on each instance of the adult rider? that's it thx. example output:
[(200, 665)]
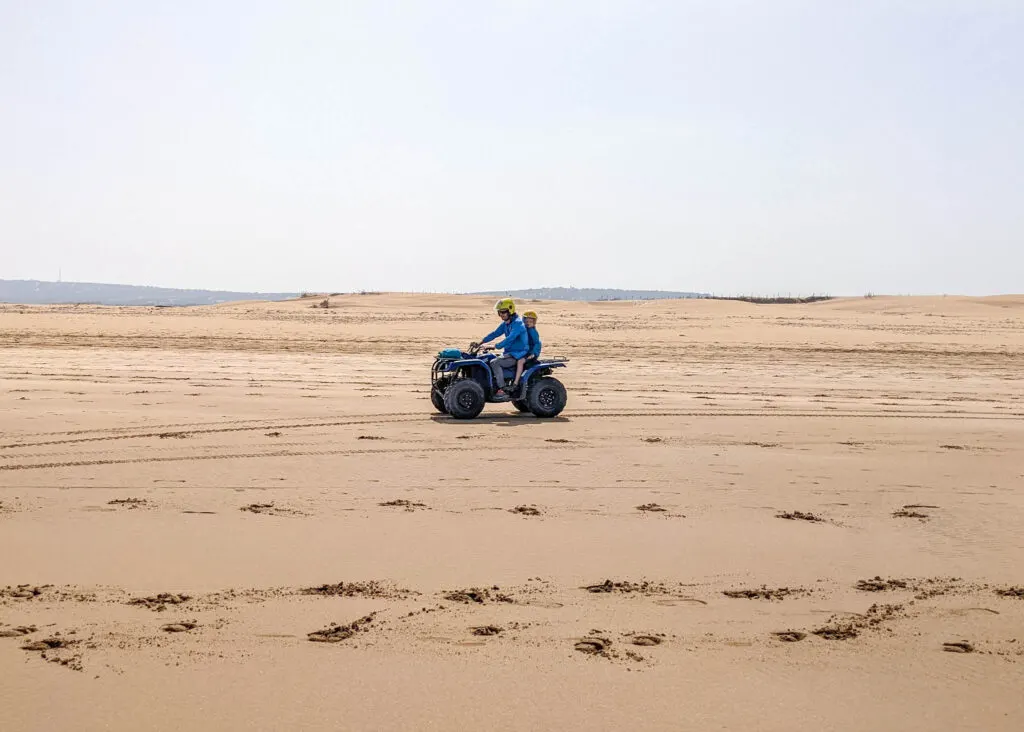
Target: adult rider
[(515, 343)]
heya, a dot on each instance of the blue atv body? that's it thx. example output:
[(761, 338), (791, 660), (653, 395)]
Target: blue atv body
[(461, 383)]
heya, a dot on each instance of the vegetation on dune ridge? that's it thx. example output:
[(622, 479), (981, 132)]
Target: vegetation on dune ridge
[(773, 300), (590, 294)]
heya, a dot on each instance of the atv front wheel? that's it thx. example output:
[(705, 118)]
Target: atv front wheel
[(546, 397), (437, 395), (464, 399), (521, 405)]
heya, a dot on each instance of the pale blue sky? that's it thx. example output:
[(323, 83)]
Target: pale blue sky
[(712, 145)]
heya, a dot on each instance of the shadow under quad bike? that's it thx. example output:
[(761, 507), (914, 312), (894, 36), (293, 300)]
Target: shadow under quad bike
[(461, 383)]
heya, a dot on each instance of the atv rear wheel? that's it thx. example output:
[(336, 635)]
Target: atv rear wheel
[(464, 399), (546, 397)]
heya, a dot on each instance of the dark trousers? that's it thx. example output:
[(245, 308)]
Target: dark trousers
[(498, 367)]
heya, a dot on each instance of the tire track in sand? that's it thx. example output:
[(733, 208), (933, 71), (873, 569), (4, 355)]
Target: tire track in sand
[(256, 424), (485, 419), (246, 455), (212, 430)]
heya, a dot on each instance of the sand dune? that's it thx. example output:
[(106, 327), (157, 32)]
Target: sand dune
[(247, 516)]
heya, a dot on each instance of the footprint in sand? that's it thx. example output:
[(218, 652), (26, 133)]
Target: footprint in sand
[(646, 640), (593, 645), (790, 636), (23, 592), (48, 644), (18, 631), (548, 604), (179, 627), (679, 602)]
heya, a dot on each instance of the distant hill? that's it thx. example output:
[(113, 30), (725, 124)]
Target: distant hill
[(33, 292), (590, 294)]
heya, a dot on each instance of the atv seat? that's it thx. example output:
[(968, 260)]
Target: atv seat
[(510, 373)]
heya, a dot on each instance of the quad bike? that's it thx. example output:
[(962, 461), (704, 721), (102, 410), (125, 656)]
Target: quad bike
[(461, 382)]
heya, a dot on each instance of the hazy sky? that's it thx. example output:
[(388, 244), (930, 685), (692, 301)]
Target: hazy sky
[(838, 146)]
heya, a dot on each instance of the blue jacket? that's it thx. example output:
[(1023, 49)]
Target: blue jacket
[(534, 337), (515, 342)]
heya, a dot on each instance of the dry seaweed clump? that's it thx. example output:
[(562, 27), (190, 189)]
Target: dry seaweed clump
[(877, 584), (628, 588), (851, 627), (335, 633), (765, 593), (129, 502), (651, 508), (372, 589), (403, 503), (908, 513), (478, 595), (838, 631), (486, 630), (799, 516), (158, 603)]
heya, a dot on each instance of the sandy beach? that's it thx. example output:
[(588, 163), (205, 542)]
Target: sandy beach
[(761, 517)]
